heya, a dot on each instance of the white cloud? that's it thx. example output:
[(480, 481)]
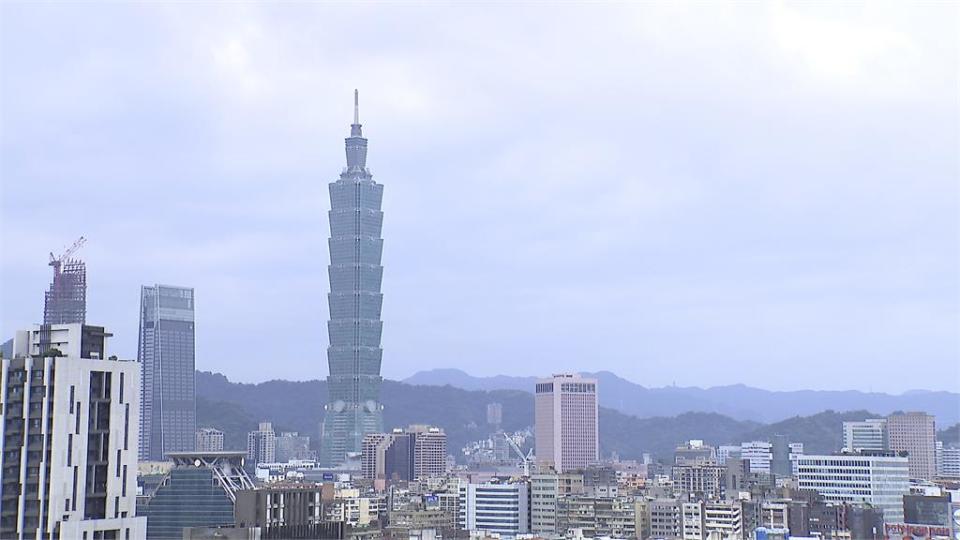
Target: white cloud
[(558, 178)]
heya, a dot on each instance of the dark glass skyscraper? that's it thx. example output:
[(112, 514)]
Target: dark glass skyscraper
[(166, 352), (355, 300)]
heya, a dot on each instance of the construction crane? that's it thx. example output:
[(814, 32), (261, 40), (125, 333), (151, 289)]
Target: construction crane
[(66, 301), (57, 262), (525, 459)]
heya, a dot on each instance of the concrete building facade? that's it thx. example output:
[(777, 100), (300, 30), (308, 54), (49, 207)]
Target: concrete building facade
[(566, 422), (916, 434), (419, 451), (546, 488), (69, 437)]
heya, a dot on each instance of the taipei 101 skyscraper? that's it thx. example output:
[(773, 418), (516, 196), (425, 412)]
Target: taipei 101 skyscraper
[(353, 386)]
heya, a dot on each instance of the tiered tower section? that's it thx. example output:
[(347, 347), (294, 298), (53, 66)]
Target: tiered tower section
[(354, 355)]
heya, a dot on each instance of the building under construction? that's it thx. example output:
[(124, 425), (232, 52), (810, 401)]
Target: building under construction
[(66, 301)]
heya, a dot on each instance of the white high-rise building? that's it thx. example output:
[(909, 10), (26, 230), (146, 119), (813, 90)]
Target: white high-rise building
[(948, 461), (495, 508), (871, 434), (566, 422), (70, 435), (881, 479), (759, 453)]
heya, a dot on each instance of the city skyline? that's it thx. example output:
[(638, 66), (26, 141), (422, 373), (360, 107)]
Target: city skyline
[(801, 212)]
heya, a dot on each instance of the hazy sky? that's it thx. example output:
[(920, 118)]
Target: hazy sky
[(700, 194)]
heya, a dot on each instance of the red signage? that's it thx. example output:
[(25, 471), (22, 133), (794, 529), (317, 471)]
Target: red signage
[(909, 530)]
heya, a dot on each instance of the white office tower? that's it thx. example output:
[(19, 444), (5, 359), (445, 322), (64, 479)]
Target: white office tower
[(881, 479), (871, 434), (948, 461), (566, 422), (70, 435), (759, 454), (495, 508)]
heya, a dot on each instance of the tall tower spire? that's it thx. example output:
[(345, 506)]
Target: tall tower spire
[(356, 106), (355, 127), (356, 144)]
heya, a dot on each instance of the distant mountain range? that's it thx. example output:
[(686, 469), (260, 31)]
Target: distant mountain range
[(236, 409), (736, 401)]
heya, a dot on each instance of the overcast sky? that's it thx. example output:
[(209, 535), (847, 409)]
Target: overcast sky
[(694, 194)]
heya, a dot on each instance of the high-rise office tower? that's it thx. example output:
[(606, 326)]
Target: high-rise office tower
[(871, 434), (354, 355), (878, 478), (69, 438), (759, 454), (418, 451), (916, 434), (166, 352), (566, 422)]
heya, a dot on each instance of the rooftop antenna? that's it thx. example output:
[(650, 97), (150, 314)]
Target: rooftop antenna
[(356, 106)]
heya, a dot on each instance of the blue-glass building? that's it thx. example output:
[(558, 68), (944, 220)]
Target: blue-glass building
[(355, 300), (166, 352), (199, 491)]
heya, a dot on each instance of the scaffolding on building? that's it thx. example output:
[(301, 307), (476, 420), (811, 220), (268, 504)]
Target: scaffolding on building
[(66, 300)]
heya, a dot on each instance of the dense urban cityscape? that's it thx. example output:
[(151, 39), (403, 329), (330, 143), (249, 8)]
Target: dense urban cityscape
[(97, 447)]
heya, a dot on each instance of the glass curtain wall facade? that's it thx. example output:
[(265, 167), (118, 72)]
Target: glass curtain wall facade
[(166, 352), (355, 272)]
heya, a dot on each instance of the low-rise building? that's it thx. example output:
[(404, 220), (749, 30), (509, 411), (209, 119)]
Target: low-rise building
[(700, 480), (546, 488), (277, 505), (495, 508), (200, 490), (665, 518), (598, 516)]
